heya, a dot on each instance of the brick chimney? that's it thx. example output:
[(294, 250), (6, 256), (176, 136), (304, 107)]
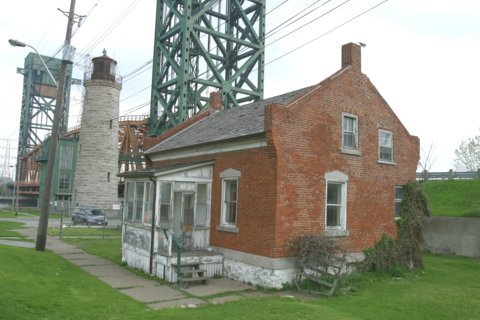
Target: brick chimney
[(216, 101), (352, 56)]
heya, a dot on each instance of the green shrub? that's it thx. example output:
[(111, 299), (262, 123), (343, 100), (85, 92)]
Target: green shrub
[(394, 255)]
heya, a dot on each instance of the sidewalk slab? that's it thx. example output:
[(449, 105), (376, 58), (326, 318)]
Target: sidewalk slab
[(127, 281), (14, 243), (90, 262), (106, 270), (182, 303), (152, 294), (79, 256)]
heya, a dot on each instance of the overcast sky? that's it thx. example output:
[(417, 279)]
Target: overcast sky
[(423, 57)]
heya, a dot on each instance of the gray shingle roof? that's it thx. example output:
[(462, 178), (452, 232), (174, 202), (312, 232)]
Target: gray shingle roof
[(227, 124)]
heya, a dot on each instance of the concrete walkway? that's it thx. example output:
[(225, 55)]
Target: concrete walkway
[(150, 292)]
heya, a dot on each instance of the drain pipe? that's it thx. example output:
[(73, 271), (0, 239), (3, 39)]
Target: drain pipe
[(152, 235)]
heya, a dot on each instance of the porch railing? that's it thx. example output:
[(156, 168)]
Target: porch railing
[(178, 243)]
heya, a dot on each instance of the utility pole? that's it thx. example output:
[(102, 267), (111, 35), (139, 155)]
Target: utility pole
[(45, 205)]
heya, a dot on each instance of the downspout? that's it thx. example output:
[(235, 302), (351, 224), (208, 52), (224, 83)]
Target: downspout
[(152, 236)]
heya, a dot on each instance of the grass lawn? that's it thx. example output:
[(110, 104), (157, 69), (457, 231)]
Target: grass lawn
[(86, 232), (7, 213), (45, 286), (454, 197), (7, 229)]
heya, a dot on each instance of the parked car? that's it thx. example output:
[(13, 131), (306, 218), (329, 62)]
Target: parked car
[(88, 216)]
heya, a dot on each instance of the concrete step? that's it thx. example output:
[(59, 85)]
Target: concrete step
[(193, 271), (186, 264)]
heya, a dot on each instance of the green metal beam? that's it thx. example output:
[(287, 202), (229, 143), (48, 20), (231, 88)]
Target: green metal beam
[(39, 100), (202, 46)]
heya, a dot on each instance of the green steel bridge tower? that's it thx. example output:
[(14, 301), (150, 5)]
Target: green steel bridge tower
[(203, 46), (39, 100)]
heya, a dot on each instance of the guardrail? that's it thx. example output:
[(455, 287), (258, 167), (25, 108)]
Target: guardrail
[(466, 175)]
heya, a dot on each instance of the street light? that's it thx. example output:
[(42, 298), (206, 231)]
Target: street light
[(45, 199), (43, 220), (16, 43)]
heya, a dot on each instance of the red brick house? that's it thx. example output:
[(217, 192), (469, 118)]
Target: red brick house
[(239, 184)]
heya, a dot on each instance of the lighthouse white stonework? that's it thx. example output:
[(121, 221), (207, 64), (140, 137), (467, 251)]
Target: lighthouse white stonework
[(96, 181)]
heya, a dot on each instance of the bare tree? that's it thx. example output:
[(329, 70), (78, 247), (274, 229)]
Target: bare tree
[(467, 155), (427, 159)]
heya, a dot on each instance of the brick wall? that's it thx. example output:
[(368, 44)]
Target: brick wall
[(256, 199), (308, 139)]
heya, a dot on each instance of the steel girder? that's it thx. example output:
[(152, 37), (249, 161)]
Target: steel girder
[(203, 46), (39, 100)]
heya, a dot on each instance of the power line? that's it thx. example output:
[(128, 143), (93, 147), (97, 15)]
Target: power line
[(146, 103), (308, 23), (109, 29), (279, 27), (325, 33)]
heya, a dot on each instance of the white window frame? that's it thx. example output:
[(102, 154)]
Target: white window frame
[(345, 148), (338, 178), (161, 202), (380, 159), (227, 176), (147, 193), (226, 203)]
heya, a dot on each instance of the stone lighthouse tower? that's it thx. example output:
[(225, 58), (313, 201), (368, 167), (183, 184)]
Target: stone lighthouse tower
[(96, 181)]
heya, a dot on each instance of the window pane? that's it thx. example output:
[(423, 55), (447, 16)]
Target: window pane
[(349, 140), (66, 157), (334, 193), (166, 192), (398, 208), (139, 201), (231, 213), (129, 201), (188, 203), (333, 216), (230, 202), (64, 182), (349, 124), (147, 213), (335, 204), (231, 190), (398, 199), (386, 139), (165, 206), (201, 214), (386, 153), (349, 132), (164, 213), (399, 193)]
